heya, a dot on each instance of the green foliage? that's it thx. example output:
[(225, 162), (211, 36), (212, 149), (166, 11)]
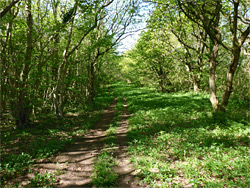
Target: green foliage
[(67, 55), (119, 104), (46, 138), (14, 165), (56, 61), (111, 130), (175, 140), (43, 148), (104, 175), (68, 15), (46, 180)]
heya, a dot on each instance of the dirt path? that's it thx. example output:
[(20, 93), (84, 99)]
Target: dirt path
[(76, 163), (125, 170)]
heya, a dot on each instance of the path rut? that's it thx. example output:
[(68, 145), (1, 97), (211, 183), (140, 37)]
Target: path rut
[(125, 170), (76, 163)]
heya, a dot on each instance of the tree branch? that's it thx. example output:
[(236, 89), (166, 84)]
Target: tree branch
[(7, 8)]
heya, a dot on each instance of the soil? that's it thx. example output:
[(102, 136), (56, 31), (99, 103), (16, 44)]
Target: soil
[(125, 170), (75, 164)]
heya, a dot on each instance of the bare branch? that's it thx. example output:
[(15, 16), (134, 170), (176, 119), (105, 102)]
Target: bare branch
[(244, 35), (7, 8)]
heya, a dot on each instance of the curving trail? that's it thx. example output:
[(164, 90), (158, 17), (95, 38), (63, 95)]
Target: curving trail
[(75, 164), (125, 170)]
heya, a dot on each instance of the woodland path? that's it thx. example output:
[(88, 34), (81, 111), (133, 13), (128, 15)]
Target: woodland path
[(77, 161)]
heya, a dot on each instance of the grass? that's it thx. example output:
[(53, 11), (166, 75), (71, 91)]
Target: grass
[(45, 180), (176, 140), (21, 148), (104, 175)]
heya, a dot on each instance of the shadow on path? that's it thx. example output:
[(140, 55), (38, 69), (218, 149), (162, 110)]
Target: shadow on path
[(76, 163), (125, 170)]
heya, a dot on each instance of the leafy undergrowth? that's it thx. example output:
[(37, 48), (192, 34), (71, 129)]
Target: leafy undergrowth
[(44, 180), (104, 175), (176, 140), (47, 136)]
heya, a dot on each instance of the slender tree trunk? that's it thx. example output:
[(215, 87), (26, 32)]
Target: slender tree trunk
[(229, 78), (62, 70), (92, 77), (196, 82), (22, 110), (162, 84), (91, 83), (237, 44), (60, 88), (196, 85), (194, 78), (55, 65), (63, 94), (3, 70), (212, 76), (2, 97)]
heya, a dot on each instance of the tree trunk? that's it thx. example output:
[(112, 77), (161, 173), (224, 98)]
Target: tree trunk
[(2, 97), (194, 78), (62, 70), (91, 83), (163, 89), (54, 69), (22, 107), (237, 44), (229, 78), (212, 75), (162, 85), (196, 85), (60, 88)]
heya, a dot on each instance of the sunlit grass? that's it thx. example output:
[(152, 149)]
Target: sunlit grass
[(20, 148), (104, 174), (176, 140)]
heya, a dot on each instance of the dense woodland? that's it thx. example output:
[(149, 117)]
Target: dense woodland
[(60, 57), (55, 54)]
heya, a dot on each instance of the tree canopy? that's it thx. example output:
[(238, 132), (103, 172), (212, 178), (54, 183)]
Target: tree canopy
[(54, 53), (177, 101)]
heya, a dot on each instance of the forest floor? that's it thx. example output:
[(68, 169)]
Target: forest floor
[(143, 139), (74, 167)]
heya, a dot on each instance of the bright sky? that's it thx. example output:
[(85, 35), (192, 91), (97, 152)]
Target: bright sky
[(129, 42)]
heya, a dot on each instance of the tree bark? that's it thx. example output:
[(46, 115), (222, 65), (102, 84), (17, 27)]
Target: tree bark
[(92, 81), (229, 79), (60, 88), (194, 78), (7, 8), (196, 85), (22, 108), (212, 75), (62, 70), (161, 82), (90, 94), (237, 44)]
